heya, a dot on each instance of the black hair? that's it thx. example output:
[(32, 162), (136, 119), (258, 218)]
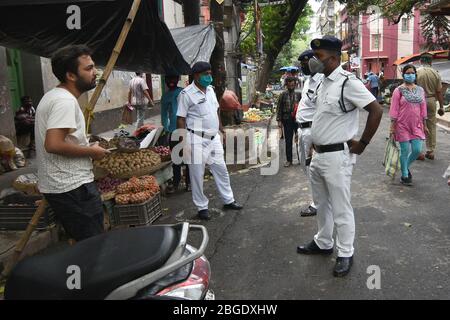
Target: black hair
[(25, 98), (66, 60), (290, 79), (409, 66)]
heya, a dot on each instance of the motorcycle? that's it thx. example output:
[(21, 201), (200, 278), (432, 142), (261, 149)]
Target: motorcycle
[(149, 263)]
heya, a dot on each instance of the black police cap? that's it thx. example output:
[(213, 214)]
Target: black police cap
[(306, 55), (200, 67), (327, 43)]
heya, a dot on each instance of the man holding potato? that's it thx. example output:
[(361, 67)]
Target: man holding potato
[(64, 155)]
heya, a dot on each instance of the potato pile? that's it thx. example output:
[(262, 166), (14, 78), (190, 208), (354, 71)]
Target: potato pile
[(118, 163), (137, 190)]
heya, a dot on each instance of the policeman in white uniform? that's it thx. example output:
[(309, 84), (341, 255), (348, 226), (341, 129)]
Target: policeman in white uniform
[(340, 97), (198, 113), (305, 113)]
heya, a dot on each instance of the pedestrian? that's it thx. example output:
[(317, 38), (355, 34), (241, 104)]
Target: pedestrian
[(198, 113), (25, 118), (169, 109), (304, 118), (408, 114), (286, 112), (373, 84), (430, 80), (64, 156), (335, 124), (139, 97)]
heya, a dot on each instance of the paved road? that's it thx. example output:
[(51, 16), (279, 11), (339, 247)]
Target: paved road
[(403, 230)]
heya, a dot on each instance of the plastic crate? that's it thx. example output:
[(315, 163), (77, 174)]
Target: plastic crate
[(138, 214), (18, 218)]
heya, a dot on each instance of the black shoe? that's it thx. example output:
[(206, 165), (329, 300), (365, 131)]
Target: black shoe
[(407, 181), (343, 266), (233, 206), (204, 214), (313, 248), (308, 212)]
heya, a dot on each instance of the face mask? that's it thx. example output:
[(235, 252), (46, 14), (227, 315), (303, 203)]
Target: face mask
[(409, 77), (306, 70), (205, 80), (316, 65)]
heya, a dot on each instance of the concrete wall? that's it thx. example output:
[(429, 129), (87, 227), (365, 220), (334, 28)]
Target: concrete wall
[(7, 127), (173, 14)]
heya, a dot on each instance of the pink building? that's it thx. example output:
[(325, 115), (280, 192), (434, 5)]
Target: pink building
[(382, 43)]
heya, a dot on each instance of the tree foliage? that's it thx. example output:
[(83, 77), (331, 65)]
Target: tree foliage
[(393, 10), (436, 31)]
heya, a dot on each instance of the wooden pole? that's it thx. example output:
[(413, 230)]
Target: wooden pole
[(89, 112), (20, 246)]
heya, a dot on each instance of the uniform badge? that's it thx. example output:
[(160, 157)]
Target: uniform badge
[(317, 43)]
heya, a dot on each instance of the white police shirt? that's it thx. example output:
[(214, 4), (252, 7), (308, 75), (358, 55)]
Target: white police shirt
[(330, 124), (307, 106), (199, 109)]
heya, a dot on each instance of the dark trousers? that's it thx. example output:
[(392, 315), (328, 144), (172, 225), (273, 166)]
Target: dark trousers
[(80, 211), (374, 92), (290, 128), (177, 168)]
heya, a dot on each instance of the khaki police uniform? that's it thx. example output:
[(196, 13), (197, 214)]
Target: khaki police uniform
[(204, 142), (331, 171)]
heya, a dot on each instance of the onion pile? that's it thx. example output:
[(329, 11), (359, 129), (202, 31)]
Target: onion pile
[(137, 190), (163, 151), (108, 184)]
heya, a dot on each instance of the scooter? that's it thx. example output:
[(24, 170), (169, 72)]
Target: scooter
[(150, 263)]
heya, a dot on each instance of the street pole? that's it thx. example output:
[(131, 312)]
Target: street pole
[(218, 55), (379, 43)]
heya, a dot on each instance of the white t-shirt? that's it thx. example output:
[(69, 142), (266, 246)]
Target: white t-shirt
[(137, 87), (58, 174)]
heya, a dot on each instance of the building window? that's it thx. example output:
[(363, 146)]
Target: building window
[(405, 25), (375, 42)]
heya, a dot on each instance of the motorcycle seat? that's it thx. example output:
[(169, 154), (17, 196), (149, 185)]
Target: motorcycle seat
[(105, 262)]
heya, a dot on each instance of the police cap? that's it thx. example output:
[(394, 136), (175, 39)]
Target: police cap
[(200, 67), (306, 55), (327, 43)]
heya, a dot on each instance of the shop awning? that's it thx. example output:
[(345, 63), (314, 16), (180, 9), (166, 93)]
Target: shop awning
[(40, 27), (196, 43), (416, 57)]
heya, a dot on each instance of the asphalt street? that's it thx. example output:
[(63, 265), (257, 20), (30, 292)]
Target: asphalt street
[(403, 231)]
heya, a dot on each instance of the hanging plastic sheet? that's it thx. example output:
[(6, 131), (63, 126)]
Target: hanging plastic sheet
[(41, 27)]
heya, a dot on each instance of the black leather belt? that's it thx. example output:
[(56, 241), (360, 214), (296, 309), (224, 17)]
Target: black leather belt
[(331, 147), (304, 125), (202, 134)]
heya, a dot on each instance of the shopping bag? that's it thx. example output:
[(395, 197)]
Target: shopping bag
[(391, 160), (127, 114)]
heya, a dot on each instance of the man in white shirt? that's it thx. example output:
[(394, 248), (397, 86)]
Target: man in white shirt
[(304, 118), (64, 155), (335, 125), (198, 113), (139, 97)]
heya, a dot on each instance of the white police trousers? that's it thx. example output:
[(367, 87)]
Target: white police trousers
[(304, 147), (331, 176), (206, 151)]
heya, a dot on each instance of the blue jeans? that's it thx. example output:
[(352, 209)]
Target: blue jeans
[(409, 151)]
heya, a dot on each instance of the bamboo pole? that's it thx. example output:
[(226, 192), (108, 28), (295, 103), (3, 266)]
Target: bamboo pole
[(89, 112), (20, 246)]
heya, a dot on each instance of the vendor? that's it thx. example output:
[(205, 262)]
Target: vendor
[(169, 108), (24, 119)]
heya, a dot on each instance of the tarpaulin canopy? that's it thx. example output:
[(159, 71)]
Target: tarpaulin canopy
[(196, 43), (40, 27), (416, 57)]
